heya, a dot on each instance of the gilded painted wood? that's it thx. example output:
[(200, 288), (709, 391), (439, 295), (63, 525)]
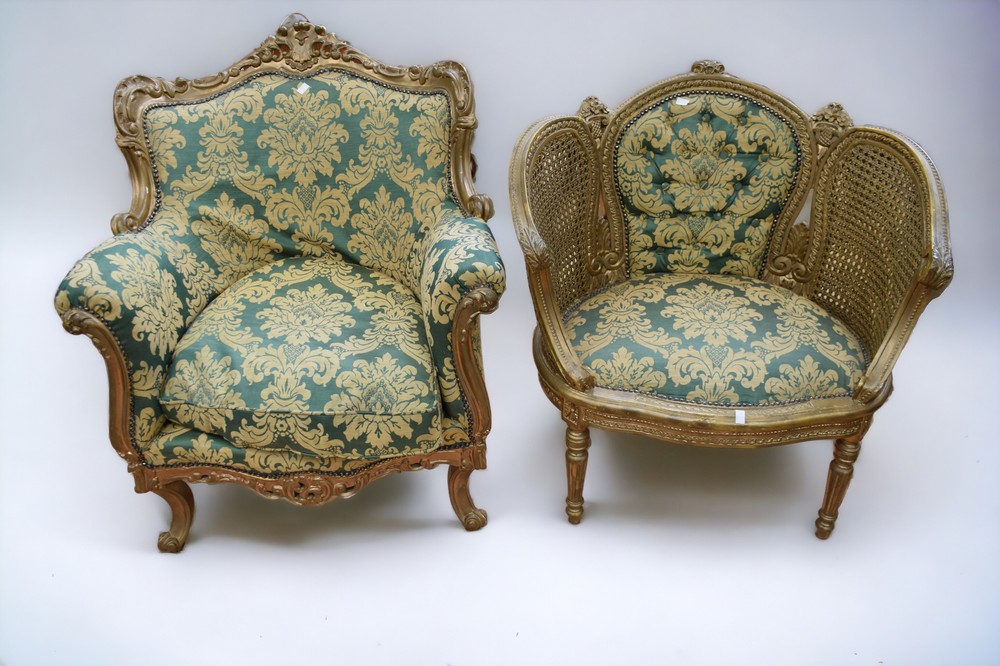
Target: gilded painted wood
[(178, 495), (845, 454), (472, 517), (577, 445), (298, 48), (802, 257)]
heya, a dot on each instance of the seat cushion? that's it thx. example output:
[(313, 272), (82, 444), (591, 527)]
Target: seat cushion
[(309, 355), (714, 339)]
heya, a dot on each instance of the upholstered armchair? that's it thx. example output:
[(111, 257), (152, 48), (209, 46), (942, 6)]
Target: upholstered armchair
[(711, 266), (291, 303)]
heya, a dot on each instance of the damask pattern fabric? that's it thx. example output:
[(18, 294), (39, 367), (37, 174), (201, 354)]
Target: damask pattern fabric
[(333, 165), (176, 445), (310, 355), (702, 178), (304, 167), (726, 340)]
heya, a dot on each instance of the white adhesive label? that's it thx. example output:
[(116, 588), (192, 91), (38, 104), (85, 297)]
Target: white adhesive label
[(741, 417), (302, 88)]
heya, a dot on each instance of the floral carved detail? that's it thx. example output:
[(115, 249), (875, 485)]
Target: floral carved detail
[(708, 67), (595, 113), (830, 124), (605, 258), (309, 489), (790, 267), (536, 252)]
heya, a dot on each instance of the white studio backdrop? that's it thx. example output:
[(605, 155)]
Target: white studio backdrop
[(684, 556)]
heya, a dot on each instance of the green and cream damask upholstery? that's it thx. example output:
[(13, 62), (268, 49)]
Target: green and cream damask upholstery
[(289, 303), (701, 178), (714, 339), (679, 293)]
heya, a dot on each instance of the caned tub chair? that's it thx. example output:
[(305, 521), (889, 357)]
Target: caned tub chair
[(291, 302), (711, 266)]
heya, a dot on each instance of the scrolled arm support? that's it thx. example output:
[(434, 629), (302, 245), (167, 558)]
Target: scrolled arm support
[(465, 340), (128, 298), (538, 261), (462, 277), (81, 322)]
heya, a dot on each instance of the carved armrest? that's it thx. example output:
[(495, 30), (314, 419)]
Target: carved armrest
[(554, 193), (134, 299), (461, 277), (880, 226)]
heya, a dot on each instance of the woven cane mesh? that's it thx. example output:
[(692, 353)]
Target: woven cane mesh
[(561, 190), (874, 213)]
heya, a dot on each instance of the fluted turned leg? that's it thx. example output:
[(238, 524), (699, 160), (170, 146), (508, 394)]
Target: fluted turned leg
[(472, 517), (845, 453), (178, 495), (577, 443)]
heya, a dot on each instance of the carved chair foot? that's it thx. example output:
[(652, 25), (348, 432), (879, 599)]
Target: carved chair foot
[(577, 443), (845, 453), (178, 495), (473, 518)]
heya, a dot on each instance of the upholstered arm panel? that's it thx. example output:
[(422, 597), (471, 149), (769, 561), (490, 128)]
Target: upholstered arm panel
[(880, 221), (146, 288), (460, 256)]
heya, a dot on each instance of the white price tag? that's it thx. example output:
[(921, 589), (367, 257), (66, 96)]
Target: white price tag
[(741, 417)]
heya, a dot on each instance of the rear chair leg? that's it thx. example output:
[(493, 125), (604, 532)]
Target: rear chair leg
[(845, 453), (577, 443), (178, 495)]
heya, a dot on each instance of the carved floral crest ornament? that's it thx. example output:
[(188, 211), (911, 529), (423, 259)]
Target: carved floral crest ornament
[(711, 266), (291, 302)]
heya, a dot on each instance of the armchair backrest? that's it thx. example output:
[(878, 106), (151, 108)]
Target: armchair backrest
[(304, 147), (701, 171)]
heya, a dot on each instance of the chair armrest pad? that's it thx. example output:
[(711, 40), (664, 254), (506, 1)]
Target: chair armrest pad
[(460, 258), (133, 288), (130, 283)]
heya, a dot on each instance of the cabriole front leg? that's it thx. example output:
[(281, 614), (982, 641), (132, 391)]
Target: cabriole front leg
[(178, 495), (577, 443), (845, 453), (472, 517)]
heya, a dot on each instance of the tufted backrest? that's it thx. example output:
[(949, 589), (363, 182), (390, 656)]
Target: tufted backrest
[(281, 165), (699, 172)]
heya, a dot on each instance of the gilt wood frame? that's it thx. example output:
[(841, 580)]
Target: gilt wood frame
[(298, 49), (796, 248)]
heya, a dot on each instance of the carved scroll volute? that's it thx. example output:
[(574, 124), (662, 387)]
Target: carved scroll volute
[(606, 260), (790, 266), (607, 263)]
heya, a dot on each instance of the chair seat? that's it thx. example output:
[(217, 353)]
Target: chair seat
[(714, 339), (312, 356)]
